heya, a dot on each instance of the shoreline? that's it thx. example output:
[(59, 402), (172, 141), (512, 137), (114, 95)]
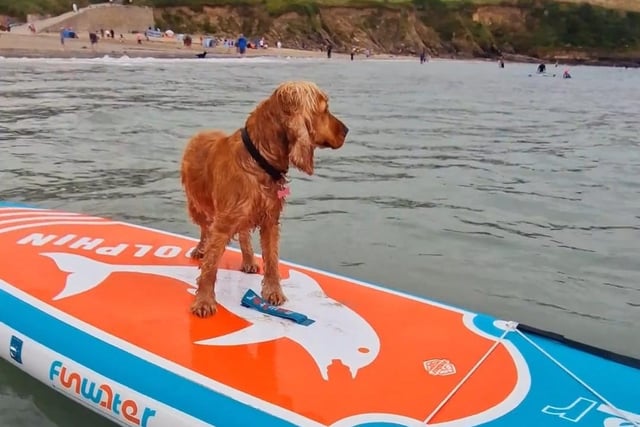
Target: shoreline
[(13, 53), (48, 46), (88, 54)]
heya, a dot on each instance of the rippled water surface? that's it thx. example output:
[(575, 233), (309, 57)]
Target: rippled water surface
[(485, 188)]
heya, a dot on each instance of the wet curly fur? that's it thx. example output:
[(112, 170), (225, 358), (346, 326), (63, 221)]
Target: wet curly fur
[(229, 194)]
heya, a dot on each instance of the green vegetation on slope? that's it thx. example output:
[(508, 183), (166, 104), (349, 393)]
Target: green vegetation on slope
[(546, 25), (278, 7), (557, 25), (20, 8)]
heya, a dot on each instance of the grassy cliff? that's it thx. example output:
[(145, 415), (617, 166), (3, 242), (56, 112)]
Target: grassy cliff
[(484, 28)]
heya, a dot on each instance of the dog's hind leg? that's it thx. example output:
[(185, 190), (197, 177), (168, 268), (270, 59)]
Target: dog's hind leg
[(249, 264), (203, 222)]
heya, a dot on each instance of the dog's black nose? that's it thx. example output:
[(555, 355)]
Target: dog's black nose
[(345, 130)]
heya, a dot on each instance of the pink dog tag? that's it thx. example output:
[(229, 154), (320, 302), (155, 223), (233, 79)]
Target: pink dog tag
[(283, 192)]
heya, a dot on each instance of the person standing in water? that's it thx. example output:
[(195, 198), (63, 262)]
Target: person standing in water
[(423, 56), (329, 48)]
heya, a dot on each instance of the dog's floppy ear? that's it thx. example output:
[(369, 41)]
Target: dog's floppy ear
[(300, 143)]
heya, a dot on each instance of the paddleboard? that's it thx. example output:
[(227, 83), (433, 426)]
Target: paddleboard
[(98, 310)]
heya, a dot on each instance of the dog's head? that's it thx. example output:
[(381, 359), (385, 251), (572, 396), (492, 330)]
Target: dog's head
[(308, 124)]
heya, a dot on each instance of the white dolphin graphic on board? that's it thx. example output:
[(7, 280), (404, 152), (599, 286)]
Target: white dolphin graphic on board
[(338, 332)]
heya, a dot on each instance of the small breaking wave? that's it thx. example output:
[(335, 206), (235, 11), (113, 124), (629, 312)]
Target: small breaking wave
[(142, 60)]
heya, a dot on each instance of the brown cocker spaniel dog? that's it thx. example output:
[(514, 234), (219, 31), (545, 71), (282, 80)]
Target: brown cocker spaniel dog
[(236, 183)]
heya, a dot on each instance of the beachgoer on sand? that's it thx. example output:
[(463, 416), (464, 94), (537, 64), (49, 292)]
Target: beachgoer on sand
[(242, 44), (93, 38)]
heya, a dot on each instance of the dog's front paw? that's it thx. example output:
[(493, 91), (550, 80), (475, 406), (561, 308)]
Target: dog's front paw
[(273, 294), (250, 267), (204, 306)]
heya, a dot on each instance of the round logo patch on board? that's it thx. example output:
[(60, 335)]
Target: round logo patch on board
[(439, 367)]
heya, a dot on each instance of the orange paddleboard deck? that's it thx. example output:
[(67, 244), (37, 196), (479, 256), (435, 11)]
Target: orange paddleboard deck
[(99, 310)]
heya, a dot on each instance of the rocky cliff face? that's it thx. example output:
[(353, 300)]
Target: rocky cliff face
[(537, 28), (393, 30)]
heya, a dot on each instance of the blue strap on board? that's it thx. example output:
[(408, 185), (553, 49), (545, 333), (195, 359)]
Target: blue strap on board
[(253, 300)]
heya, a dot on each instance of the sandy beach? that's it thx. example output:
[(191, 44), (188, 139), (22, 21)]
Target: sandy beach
[(49, 46)]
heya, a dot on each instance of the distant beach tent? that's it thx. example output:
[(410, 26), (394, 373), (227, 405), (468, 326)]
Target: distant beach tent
[(68, 33), (154, 34)]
